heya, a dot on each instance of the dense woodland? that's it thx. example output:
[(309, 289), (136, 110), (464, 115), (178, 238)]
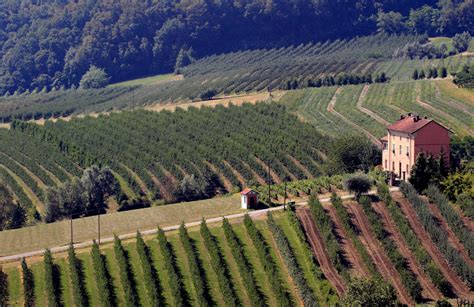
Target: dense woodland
[(52, 43)]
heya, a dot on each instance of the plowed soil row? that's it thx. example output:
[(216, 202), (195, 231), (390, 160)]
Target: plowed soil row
[(457, 284), (319, 250), (452, 238), (350, 252), (383, 264), (430, 292)]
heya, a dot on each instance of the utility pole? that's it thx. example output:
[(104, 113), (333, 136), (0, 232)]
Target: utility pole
[(98, 224), (269, 185), (72, 233)]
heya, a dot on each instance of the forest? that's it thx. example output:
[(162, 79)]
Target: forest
[(52, 43)]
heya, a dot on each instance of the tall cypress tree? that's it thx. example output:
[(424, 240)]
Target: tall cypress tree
[(3, 288), (418, 176)]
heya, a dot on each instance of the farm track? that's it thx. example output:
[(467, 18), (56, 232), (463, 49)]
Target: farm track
[(137, 178), (331, 109), (377, 253), (347, 245), (274, 175), (430, 291), (163, 190), (26, 189), (450, 102), (238, 175), (459, 287), (452, 238), (361, 108), (319, 250)]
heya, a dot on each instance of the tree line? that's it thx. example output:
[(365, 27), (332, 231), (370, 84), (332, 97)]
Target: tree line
[(53, 43)]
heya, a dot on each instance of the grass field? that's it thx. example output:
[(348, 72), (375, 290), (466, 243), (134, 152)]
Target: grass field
[(148, 80), (85, 229), (320, 287)]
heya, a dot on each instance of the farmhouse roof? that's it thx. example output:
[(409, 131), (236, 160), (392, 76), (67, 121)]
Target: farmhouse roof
[(384, 139), (411, 124), (247, 191)]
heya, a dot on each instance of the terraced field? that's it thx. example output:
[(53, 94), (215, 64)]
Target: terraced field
[(370, 108), (231, 241)]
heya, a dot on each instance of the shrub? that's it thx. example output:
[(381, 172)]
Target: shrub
[(245, 270), (28, 285), (370, 292), (77, 279), (291, 263), (391, 250), (461, 41), (438, 235), (174, 279), (126, 276), (195, 267), (358, 184), (4, 294), (413, 242), (102, 277), (94, 78), (219, 266), (51, 280), (263, 252)]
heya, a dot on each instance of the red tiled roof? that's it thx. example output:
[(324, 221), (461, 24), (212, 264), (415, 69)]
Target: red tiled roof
[(409, 125), (246, 191)]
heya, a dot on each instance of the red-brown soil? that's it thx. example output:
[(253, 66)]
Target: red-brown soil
[(429, 290), (469, 223), (319, 250), (347, 245), (383, 264), (236, 173), (457, 284), (452, 238)]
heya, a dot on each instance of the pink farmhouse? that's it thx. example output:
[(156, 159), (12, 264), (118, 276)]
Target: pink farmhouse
[(409, 136)]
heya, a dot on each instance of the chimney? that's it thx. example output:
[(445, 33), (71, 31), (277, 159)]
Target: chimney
[(402, 116), (426, 117), (416, 118), (409, 113)]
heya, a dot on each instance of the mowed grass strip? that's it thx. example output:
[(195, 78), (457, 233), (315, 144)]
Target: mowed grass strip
[(114, 272), (137, 272), (320, 287), (15, 290), (39, 283), (211, 276), (158, 263), (89, 278), (85, 229)]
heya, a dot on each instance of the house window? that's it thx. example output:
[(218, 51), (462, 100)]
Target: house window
[(407, 169), (393, 166), (408, 150), (384, 146), (400, 149), (386, 164), (393, 148), (400, 137)]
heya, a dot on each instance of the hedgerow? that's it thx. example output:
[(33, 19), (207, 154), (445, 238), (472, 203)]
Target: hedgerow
[(245, 269), (351, 231), (438, 235), (51, 280), (4, 294), (151, 280), (326, 229), (407, 276), (126, 275), (174, 279), (263, 252), (424, 259), (195, 266), (289, 258), (102, 277), (219, 266), (28, 285), (77, 279), (453, 219)]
